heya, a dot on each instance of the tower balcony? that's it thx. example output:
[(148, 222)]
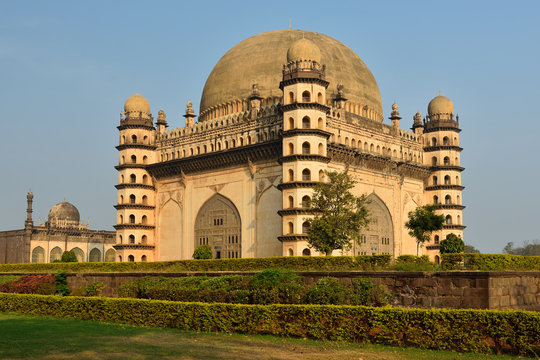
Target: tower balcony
[(444, 187), (304, 157), (443, 147), (133, 247), (134, 206), (129, 226)]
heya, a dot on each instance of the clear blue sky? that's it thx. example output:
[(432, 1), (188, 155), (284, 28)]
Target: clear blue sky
[(66, 68)]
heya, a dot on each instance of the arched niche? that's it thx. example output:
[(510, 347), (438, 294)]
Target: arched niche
[(218, 225), (378, 238), (56, 254), (170, 231), (95, 255)]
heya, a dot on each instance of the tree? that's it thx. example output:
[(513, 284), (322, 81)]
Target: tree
[(469, 249), (69, 256), (452, 244), (339, 215), (422, 222), (203, 252), (527, 249)]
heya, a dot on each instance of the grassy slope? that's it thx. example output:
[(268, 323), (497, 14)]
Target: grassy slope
[(28, 337)]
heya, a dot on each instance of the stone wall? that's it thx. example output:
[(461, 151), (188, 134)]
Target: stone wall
[(463, 289)]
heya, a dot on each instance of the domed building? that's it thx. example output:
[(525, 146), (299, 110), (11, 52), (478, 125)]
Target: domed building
[(277, 111), (47, 241)]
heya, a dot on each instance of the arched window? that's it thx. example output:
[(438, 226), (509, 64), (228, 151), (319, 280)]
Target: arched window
[(435, 199), (226, 144), (321, 149), (291, 175), (121, 199), (434, 161), (144, 240), (306, 252), (447, 200), (319, 98), (191, 151), (132, 178), (456, 162), (132, 239), (123, 139), (353, 143), (132, 199), (306, 96), (347, 140), (291, 228), (447, 180), (306, 122), (145, 200), (134, 139), (95, 255), (321, 175), (120, 239), (448, 220), (121, 219), (143, 258), (435, 180), (446, 160), (437, 260), (306, 202), (144, 219), (291, 123), (306, 175), (459, 220), (109, 255), (131, 258), (306, 148), (121, 179), (321, 123), (291, 148), (145, 159), (458, 200), (434, 141), (305, 227), (198, 150), (291, 202), (290, 252), (145, 179), (457, 180), (56, 254), (291, 97), (123, 160), (372, 148), (436, 239), (132, 219), (119, 258), (445, 141)]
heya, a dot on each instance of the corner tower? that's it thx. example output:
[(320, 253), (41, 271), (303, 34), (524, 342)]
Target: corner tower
[(136, 193), (442, 154), (304, 141)]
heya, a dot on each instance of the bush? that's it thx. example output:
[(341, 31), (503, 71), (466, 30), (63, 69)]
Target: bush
[(61, 283), (203, 252), (413, 263), (482, 331), (30, 284), (68, 257), (276, 286), (8, 278), (452, 244), (489, 262), (94, 288), (329, 291), (294, 263)]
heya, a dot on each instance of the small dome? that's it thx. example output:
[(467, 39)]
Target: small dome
[(137, 103), (303, 49), (64, 211), (440, 105)]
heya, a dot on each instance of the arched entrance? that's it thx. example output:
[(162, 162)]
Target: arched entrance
[(218, 225), (379, 237)]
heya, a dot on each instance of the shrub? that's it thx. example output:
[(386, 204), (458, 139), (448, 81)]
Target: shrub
[(413, 263), (203, 252), (366, 293), (329, 291), (8, 278), (482, 331), (452, 244), (276, 286), (31, 284), (94, 288), (68, 257), (61, 283), (489, 262)]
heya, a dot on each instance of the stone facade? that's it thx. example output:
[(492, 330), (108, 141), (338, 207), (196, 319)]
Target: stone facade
[(48, 240), (257, 150)]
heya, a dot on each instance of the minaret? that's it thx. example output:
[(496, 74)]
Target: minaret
[(28, 227), (394, 118), (136, 193), (304, 141), (442, 155), (29, 223)]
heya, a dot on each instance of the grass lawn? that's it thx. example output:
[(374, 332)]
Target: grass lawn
[(32, 337)]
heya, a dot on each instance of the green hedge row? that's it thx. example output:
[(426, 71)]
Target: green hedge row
[(304, 263), (483, 331), (490, 262)]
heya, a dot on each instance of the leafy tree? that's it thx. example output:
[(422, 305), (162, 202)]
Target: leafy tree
[(203, 252), (469, 249), (339, 215), (528, 249), (452, 244), (69, 256), (422, 222)]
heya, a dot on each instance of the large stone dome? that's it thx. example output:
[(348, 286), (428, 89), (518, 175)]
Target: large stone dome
[(440, 105), (260, 59), (137, 104), (64, 211)]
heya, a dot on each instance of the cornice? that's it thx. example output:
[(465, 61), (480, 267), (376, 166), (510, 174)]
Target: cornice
[(134, 206), (133, 247), (135, 146), (449, 206), (443, 147), (296, 185), (453, 226), (444, 187), (315, 78), (311, 106), (311, 132), (304, 157), (295, 211), (133, 226), (134, 186), (442, 128), (293, 237), (130, 166), (446, 167)]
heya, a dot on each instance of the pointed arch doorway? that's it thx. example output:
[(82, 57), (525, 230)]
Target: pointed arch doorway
[(378, 238), (218, 225)]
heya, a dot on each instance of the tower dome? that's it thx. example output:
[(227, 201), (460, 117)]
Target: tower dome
[(64, 211), (303, 49), (137, 104), (260, 59), (440, 105)]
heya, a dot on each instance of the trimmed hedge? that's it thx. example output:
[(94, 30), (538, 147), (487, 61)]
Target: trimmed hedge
[(304, 263), (482, 331), (490, 262)]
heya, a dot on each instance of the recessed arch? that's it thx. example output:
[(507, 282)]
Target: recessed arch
[(95, 255), (38, 255), (110, 255), (380, 232), (56, 254), (79, 254)]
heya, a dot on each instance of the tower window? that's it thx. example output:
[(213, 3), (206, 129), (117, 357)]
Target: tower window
[(448, 220), (446, 141), (319, 98), (132, 178), (132, 199), (447, 180), (132, 239), (291, 202), (446, 161), (291, 123), (305, 227), (434, 141), (306, 96), (306, 148), (436, 239), (447, 200), (291, 149), (291, 175), (306, 123), (435, 180), (291, 97), (134, 139), (132, 219), (434, 161), (306, 175), (306, 202), (435, 199), (291, 228), (133, 159)]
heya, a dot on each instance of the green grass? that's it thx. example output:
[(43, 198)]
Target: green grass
[(32, 337)]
